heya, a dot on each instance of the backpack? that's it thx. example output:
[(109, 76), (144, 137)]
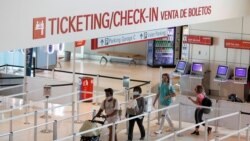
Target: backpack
[(234, 98), (208, 103)]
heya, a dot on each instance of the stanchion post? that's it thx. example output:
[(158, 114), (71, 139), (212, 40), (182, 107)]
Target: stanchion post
[(97, 90), (206, 127), (47, 112), (55, 130), (11, 120), (26, 117), (93, 113), (78, 112), (217, 138), (239, 125), (73, 117), (47, 93), (175, 136), (53, 73), (113, 132), (25, 97), (126, 100), (217, 114), (247, 133), (149, 87), (180, 117), (35, 126), (148, 126), (74, 136), (11, 136), (159, 113)]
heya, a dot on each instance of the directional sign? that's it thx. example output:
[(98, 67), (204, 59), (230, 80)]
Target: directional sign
[(130, 38)]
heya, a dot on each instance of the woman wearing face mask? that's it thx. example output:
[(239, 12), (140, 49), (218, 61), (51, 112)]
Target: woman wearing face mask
[(138, 110), (110, 106)]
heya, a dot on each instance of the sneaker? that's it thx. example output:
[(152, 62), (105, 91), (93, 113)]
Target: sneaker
[(195, 133), (142, 138), (158, 132), (209, 130), (170, 130)]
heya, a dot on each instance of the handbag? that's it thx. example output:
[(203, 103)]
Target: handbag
[(132, 107)]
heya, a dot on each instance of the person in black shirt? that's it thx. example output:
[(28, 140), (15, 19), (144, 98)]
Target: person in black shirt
[(139, 110)]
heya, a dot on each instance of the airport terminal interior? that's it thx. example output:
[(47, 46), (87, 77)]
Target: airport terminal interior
[(54, 92)]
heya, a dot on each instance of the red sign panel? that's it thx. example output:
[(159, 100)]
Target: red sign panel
[(238, 44), (80, 43), (202, 40), (39, 28)]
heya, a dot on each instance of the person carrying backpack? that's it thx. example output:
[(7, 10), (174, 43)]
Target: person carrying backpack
[(201, 100), (136, 107), (110, 106)]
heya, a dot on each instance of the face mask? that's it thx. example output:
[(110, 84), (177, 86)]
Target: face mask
[(135, 93), (109, 97)]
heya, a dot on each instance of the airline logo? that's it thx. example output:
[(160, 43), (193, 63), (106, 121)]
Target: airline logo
[(39, 28)]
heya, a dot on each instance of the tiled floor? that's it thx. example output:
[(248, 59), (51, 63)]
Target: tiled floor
[(140, 72)]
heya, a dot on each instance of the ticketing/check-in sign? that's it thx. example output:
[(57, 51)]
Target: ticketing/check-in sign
[(39, 28)]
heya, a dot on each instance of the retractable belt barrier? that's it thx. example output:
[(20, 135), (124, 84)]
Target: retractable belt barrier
[(60, 85), (2, 78), (244, 113), (145, 114)]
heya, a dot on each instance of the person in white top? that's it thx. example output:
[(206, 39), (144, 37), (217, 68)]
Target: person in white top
[(110, 106)]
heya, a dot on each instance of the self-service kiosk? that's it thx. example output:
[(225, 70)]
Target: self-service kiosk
[(199, 75), (240, 75), (223, 73), (222, 76), (182, 68), (235, 85)]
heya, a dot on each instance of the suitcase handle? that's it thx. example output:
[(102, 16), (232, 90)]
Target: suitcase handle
[(101, 122)]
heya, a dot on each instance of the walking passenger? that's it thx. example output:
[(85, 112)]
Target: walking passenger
[(200, 95), (165, 94), (110, 106), (135, 110)]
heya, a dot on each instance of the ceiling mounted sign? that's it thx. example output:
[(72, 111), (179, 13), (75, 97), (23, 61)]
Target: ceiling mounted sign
[(202, 40), (88, 21), (80, 43), (237, 44)]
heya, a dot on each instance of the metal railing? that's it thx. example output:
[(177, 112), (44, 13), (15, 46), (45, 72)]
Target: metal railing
[(11, 87), (246, 129), (73, 137), (11, 134), (175, 133)]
